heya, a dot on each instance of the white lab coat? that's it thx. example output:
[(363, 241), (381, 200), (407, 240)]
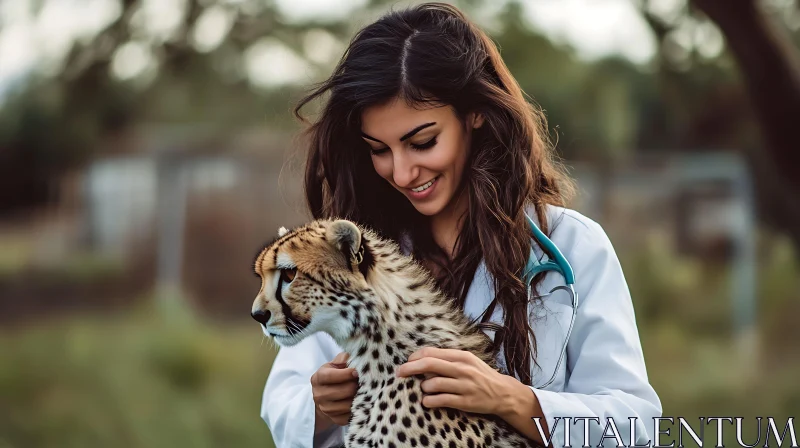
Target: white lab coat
[(603, 375)]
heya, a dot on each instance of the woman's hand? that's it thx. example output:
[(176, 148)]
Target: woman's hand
[(333, 387), (458, 379)]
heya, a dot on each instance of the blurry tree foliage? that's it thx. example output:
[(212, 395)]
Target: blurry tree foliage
[(763, 43), (710, 87)]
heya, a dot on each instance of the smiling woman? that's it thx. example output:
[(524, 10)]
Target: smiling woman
[(427, 139)]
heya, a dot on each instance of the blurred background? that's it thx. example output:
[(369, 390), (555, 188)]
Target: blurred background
[(147, 149)]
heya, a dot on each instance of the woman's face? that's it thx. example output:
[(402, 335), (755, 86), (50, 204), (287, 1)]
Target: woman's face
[(420, 152)]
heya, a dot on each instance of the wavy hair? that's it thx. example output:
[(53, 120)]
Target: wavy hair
[(432, 54)]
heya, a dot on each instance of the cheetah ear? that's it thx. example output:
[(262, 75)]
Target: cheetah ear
[(282, 231), (346, 237)]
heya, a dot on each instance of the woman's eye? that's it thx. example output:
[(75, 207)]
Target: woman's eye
[(429, 144), (379, 151), (287, 275)]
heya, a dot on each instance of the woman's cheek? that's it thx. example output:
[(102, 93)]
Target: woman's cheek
[(443, 160)]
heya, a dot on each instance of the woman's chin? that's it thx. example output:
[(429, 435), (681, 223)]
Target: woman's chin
[(428, 209)]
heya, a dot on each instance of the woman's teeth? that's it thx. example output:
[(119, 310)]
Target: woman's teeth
[(424, 187)]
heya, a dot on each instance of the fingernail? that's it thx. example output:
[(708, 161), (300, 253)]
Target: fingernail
[(355, 373)]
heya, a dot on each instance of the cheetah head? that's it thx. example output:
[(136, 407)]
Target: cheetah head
[(308, 279)]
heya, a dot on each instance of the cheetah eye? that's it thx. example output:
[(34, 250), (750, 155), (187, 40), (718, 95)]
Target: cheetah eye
[(287, 275)]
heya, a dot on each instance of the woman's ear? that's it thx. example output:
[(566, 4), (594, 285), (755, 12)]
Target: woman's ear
[(476, 120)]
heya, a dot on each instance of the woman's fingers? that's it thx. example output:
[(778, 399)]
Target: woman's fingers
[(443, 401), (340, 360), (333, 387), (336, 408), (332, 375), (342, 387), (436, 366), (343, 391), (448, 354), (442, 384)]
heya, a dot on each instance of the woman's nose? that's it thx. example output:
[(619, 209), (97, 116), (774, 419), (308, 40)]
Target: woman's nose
[(404, 171)]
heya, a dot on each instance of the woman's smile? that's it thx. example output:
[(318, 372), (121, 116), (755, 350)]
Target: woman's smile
[(424, 191)]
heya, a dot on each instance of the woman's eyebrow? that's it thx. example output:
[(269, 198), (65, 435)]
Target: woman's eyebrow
[(408, 135), (413, 132)]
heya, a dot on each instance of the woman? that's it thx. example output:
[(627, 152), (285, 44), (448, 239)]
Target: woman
[(427, 138)]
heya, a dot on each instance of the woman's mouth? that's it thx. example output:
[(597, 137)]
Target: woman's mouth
[(424, 190)]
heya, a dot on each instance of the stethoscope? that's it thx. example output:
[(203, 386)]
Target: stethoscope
[(534, 267)]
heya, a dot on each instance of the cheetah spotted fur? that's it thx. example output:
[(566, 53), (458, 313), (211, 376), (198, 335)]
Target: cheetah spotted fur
[(379, 306)]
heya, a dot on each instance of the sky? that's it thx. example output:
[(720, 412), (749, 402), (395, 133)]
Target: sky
[(594, 28)]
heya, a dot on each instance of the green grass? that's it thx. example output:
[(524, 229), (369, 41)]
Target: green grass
[(694, 360), (170, 379), (133, 380)]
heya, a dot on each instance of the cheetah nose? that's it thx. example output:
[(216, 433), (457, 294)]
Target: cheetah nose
[(261, 316)]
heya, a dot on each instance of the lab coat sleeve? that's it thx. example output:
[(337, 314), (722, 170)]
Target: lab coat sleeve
[(287, 405), (606, 375)]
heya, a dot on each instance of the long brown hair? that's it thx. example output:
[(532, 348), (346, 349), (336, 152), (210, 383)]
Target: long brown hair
[(433, 54)]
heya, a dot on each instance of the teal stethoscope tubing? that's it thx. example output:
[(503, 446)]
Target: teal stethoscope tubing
[(559, 264)]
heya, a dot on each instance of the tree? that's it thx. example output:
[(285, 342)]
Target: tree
[(56, 121), (770, 66), (768, 63)]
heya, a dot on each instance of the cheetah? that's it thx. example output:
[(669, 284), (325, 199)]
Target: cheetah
[(380, 306)]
